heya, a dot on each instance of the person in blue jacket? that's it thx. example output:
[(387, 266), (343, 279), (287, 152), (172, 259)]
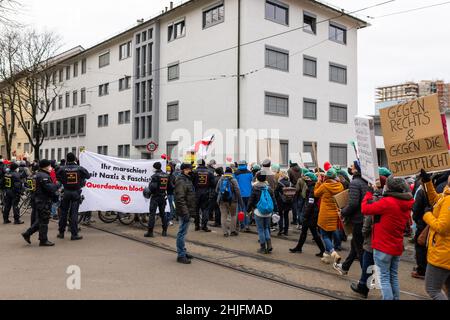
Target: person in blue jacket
[(244, 178)]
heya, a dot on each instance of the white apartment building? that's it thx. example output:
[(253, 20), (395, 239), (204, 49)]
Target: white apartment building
[(297, 61)]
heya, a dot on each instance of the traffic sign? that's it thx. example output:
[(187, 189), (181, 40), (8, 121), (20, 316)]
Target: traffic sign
[(152, 146)]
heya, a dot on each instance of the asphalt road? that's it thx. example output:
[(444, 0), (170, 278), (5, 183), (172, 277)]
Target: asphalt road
[(117, 268)]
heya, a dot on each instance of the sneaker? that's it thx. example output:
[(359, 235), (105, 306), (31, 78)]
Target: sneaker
[(417, 275), (336, 257), (296, 250), (26, 237), (338, 268), (190, 257), (170, 223), (46, 244), (184, 260), (326, 258), (234, 234), (206, 229)]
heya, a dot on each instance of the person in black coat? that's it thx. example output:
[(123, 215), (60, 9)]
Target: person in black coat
[(352, 214), (310, 215), (284, 205), (419, 209)]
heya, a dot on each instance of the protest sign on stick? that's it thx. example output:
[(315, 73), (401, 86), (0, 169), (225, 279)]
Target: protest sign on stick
[(414, 137), (367, 149)]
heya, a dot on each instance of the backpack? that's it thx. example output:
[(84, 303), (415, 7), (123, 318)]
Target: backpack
[(265, 204), (288, 194), (226, 194)]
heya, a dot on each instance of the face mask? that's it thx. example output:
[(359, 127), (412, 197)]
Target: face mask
[(350, 171)]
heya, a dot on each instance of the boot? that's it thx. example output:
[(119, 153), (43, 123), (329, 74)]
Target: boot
[(263, 249), (184, 260), (269, 246), (319, 243), (18, 222), (149, 234), (297, 249), (27, 237), (164, 233), (46, 244), (359, 289), (336, 257), (326, 258), (76, 238)]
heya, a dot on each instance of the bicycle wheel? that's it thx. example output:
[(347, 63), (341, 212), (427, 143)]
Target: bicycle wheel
[(126, 218), (143, 219), (108, 217), (25, 205)]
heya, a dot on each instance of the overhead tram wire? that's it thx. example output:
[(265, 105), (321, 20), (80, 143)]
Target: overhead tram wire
[(411, 10)]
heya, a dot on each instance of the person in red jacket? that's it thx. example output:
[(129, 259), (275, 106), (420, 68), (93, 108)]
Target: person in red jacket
[(391, 213)]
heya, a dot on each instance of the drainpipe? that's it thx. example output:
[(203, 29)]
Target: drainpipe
[(239, 81)]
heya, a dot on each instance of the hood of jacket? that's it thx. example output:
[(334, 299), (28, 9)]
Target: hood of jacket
[(333, 186), (242, 167), (406, 199), (260, 185)]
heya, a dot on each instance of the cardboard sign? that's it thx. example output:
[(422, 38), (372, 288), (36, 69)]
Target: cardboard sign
[(341, 199), (414, 137), (367, 148), (307, 157)]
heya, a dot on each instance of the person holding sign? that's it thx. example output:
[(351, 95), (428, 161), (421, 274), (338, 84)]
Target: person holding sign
[(158, 190)]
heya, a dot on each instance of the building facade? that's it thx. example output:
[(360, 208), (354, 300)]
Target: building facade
[(208, 67)]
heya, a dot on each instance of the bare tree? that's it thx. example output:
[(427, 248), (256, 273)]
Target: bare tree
[(32, 77), (9, 46), (8, 8)]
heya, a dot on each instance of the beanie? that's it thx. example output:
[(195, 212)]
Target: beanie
[(311, 176), (44, 164), (261, 177), (157, 165), (397, 185), (331, 173), (327, 166), (71, 157), (266, 163), (357, 165), (185, 166)]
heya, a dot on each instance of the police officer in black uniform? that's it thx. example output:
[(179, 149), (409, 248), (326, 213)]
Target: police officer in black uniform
[(31, 187), (13, 182), (158, 189), (73, 177), (45, 194), (204, 184)]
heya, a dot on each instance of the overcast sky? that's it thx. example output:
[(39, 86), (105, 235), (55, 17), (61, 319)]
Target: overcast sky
[(410, 46)]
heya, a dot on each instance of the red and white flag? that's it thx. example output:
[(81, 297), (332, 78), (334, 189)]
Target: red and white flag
[(201, 147)]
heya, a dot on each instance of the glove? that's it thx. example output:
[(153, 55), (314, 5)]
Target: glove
[(426, 177)]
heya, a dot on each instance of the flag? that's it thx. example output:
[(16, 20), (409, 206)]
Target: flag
[(201, 147)]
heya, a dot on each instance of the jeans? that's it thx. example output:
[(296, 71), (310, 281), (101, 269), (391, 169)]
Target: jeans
[(246, 222), (263, 226), (337, 240), (326, 237), (284, 221), (55, 207), (435, 280), (388, 268), (367, 261), (356, 250), (171, 199), (298, 213), (182, 232)]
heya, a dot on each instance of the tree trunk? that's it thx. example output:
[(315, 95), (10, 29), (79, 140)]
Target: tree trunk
[(37, 149)]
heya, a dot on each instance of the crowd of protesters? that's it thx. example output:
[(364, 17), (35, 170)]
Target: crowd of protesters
[(240, 195)]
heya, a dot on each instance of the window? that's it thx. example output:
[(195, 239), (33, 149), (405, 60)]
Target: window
[(136, 128), (54, 75), (124, 83), (28, 125), (52, 130), (125, 51), (214, 15), (58, 128), (309, 66), (81, 125), (103, 60), (150, 59), (338, 154), (103, 89), (338, 73), (338, 33), (68, 73), (102, 150), (103, 121), (277, 104), (144, 96), (173, 111), (338, 113), (150, 34), (75, 98), (308, 148), (142, 127), (73, 126), (54, 104), (171, 149), (46, 153), (74, 150), (67, 99), (60, 102), (173, 72), (26, 147), (83, 95), (309, 109), (138, 97), (138, 38), (149, 127), (144, 36), (284, 152), (123, 151), (61, 75), (277, 59), (309, 22), (138, 62), (83, 66), (144, 61), (46, 133), (176, 30), (277, 12), (75, 69), (124, 117), (150, 95), (66, 151), (65, 127)]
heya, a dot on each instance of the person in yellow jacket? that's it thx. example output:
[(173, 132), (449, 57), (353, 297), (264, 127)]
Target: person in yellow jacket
[(325, 189), (437, 276)]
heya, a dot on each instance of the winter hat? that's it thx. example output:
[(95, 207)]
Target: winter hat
[(311, 176), (305, 171), (71, 157), (219, 171), (327, 166), (397, 185), (212, 163), (357, 165), (185, 166), (14, 166), (276, 167), (261, 177), (242, 163), (266, 163), (292, 164), (256, 167), (228, 170), (201, 162), (157, 165), (385, 172), (331, 173), (44, 164)]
